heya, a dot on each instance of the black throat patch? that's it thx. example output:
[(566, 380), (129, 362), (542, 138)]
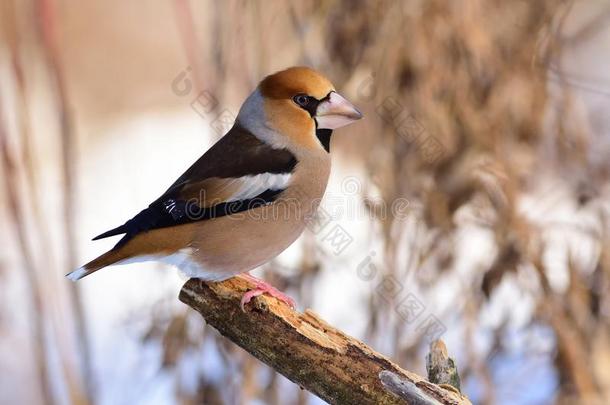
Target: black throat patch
[(323, 135)]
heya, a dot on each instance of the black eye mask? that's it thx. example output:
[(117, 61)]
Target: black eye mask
[(309, 103)]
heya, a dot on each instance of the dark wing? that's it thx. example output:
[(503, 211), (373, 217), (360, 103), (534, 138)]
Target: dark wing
[(238, 173)]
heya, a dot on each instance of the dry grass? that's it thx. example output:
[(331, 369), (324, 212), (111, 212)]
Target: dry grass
[(462, 122)]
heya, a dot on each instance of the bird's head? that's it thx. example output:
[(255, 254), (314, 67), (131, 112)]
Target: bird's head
[(296, 106)]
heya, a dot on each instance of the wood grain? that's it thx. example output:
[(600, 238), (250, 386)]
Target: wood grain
[(308, 351)]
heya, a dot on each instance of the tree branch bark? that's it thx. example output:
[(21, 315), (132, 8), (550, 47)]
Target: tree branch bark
[(325, 361)]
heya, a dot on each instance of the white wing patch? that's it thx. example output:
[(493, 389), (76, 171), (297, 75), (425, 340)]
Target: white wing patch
[(251, 186)]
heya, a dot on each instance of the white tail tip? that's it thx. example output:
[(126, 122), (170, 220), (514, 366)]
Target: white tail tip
[(77, 274)]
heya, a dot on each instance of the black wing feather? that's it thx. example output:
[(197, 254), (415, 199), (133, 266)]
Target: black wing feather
[(155, 217)]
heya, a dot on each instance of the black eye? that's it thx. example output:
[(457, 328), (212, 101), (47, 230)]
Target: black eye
[(301, 99)]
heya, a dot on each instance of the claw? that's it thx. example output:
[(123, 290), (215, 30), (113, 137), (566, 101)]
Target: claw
[(261, 287)]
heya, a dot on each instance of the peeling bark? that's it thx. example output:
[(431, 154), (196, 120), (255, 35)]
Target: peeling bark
[(308, 351)]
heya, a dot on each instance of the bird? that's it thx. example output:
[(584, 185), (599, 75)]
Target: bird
[(250, 195)]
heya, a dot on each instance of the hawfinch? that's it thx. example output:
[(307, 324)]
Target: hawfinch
[(250, 195)]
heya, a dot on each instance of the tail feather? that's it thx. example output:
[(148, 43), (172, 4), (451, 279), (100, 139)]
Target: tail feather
[(108, 258), (77, 274), (139, 239)]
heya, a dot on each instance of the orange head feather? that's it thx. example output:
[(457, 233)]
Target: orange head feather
[(294, 103), (287, 83)]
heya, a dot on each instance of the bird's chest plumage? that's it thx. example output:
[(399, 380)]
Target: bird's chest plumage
[(238, 243)]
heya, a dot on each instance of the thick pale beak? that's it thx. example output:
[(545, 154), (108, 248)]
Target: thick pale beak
[(336, 112)]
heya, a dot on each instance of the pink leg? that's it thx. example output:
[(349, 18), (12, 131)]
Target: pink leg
[(261, 287)]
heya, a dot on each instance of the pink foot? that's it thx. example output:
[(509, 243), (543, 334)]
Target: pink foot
[(260, 288)]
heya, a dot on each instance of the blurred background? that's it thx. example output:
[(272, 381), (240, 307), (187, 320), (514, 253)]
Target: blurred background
[(471, 204)]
